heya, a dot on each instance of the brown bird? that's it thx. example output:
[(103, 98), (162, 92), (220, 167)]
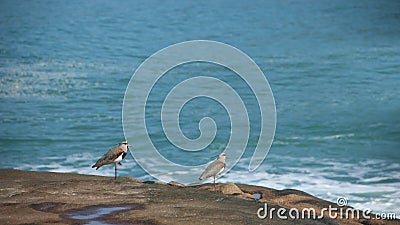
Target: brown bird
[(114, 155), (214, 168)]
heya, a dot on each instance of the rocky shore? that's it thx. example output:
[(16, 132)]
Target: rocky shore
[(63, 198)]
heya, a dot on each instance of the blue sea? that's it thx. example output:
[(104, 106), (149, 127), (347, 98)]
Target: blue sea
[(333, 67)]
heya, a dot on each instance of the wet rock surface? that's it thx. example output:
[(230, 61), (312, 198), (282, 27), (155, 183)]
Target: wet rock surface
[(62, 198)]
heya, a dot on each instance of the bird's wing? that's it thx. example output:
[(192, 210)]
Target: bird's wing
[(213, 169), (109, 157), (113, 153)]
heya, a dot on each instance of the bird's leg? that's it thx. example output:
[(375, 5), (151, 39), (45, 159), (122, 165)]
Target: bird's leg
[(214, 184), (115, 176)]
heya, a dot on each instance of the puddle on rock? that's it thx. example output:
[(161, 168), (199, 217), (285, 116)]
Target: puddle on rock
[(257, 196), (95, 215)]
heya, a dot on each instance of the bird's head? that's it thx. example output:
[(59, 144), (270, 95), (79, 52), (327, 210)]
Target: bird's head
[(124, 145), (222, 157)]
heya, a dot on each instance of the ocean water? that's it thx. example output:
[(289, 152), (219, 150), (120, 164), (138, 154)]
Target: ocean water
[(333, 66)]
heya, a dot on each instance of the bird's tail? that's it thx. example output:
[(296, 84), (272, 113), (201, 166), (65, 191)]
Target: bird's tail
[(95, 165)]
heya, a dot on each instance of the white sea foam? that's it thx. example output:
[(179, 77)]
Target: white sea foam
[(362, 194), (81, 163), (316, 138)]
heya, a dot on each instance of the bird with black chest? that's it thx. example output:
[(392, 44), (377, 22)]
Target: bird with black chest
[(113, 156), (214, 168)]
